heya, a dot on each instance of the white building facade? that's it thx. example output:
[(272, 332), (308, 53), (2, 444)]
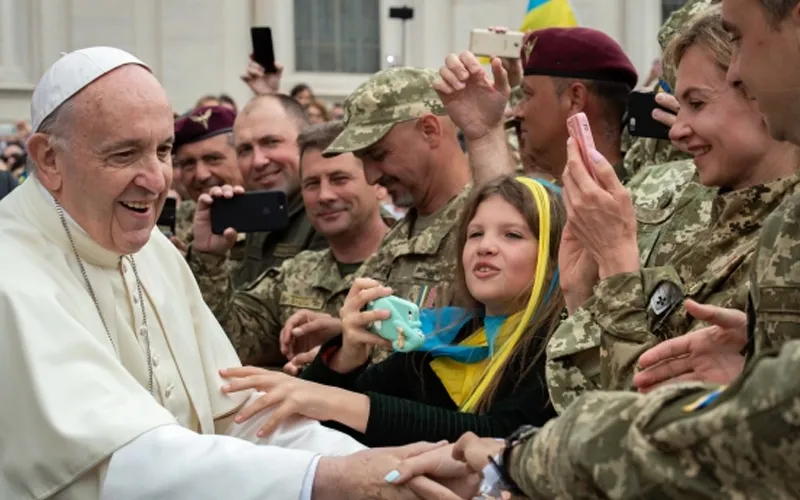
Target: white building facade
[(199, 47)]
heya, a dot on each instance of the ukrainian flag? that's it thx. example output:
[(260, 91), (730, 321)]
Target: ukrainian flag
[(548, 14)]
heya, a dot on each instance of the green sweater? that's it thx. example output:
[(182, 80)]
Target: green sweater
[(408, 402)]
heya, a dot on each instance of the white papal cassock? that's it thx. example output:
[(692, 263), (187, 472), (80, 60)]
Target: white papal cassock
[(76, 418)]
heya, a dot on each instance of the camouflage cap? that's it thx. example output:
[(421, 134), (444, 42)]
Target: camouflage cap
[(389, 97)]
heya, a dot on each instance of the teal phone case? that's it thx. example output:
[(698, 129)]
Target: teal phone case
[(403, 326)]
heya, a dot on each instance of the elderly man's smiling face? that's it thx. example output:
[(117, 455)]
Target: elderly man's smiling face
[(115, 171)]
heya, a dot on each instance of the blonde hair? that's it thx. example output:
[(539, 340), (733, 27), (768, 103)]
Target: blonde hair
[(705, 31)]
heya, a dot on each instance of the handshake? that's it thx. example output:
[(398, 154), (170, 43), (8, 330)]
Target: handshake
[(428, 471)]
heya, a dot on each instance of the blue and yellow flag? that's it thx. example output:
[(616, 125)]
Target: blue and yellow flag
[(548, 14)]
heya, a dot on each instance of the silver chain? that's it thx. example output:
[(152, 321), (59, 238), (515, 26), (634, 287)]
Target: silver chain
[(90, 289)]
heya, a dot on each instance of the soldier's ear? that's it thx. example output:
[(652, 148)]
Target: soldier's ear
[(431, 129), (578, 96)]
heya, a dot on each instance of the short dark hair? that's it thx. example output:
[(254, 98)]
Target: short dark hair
[(318, 137), (613, 97), (777, 10)]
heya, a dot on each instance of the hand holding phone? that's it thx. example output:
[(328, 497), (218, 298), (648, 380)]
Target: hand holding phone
[(581, 133), (403, 326), (640, 116), (263, 50), (253, 212), (490, 43)]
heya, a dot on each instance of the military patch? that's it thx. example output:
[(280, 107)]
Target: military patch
[(202, 119), (285, 250), (527, 49), (665, 297), (301, 302), (704, 400)]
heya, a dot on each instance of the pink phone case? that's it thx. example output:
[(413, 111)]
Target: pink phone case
[(581, 132)]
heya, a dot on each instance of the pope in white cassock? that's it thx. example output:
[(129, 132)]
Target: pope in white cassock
[(109, 357)]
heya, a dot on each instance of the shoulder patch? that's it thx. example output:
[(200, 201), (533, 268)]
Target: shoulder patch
[(665, 297), (301, 301)]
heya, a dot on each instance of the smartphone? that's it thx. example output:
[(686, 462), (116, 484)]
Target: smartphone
[(263, 50), (489, 43), (640, 116), (581, 132), (166, 221), (254, 212), (403, 326)]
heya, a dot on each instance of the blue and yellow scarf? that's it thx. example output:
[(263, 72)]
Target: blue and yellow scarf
[(467, 369)]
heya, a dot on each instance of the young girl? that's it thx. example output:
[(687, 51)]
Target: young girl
[(482, 366)]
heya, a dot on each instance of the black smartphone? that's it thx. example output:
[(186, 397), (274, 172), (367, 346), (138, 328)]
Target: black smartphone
[(263, 50), (166, 221), (254, 212), (640, 116)]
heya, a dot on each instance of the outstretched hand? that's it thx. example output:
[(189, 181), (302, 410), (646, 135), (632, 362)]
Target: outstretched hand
[(710, 354)]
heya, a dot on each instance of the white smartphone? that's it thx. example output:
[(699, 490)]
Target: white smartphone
[(483, 42)]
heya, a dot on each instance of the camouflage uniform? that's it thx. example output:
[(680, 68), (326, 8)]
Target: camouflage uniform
[(702, 252), (264, 250), (663, 446), (416, 264), (184, 225), (640, 151), (775, 278), (511, 131), (624, 445), (253, 316), (184, 221), (419, 267)]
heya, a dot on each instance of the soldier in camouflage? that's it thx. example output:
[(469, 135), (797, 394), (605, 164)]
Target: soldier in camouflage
[(701, 252), (396, 124), (564, 71), (342, 207), (672, 208), (204, 154), (696, 440), (265, 136), (642, 151)]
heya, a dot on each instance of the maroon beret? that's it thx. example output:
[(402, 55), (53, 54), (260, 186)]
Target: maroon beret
[(576, 53), (202, 123)]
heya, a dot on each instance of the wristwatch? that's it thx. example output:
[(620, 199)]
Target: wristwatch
[(522, 434), (496, 478)]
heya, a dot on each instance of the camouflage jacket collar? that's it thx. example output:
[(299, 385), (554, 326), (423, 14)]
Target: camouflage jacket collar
[(430, 239), (746, 206), (325, 274)]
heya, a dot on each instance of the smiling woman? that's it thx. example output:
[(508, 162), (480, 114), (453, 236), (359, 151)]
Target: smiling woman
[(726, 156), (704, 243)]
